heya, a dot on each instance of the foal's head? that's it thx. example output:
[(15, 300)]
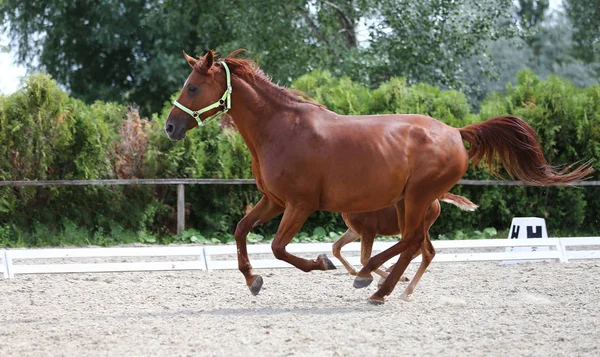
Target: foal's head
[(204, 87)]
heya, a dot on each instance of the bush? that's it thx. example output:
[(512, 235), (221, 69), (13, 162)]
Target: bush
[(47, 135)]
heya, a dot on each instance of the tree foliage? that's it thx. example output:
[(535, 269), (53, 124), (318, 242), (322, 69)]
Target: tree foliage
[(426, 41), (129, 51), (547, 52), (585, 19), (531, 13)]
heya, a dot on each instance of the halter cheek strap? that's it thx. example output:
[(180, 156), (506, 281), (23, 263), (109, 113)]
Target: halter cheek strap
[(224, 101)]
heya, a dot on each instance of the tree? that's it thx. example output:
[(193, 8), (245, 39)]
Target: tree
[(113, 50), (550, 54), (290, 38), (531, 12), (585, 18), (531, 15), (427, 41), (129, 51)]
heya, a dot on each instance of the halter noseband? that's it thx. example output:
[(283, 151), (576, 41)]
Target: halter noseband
[(224, 102)]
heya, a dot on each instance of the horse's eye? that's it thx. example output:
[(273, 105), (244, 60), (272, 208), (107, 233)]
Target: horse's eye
[(192, 88)]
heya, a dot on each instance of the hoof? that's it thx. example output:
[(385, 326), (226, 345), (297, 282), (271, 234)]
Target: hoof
[(405, 297), (360, 282), (404, 279), (376, 300), (327, 263), (256, 285)]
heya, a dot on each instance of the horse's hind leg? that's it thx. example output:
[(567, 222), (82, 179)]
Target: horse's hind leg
[(432, 215), (403, 278), (413, 237), (264, 211), (292, 221), (426, 248), (428, 254), (348, 237)]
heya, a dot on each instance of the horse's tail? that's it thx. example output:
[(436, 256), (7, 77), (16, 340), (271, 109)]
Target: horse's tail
[(459, 201), (514, 143)]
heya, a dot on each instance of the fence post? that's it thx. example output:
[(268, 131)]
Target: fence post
[(563, 251), (8, 265), (4, 264), (180, 208)]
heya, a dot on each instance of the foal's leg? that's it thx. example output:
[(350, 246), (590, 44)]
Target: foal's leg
[(366, 240), (348, 237), (292, 221), (264, 211), (364, 277), (366, 248)]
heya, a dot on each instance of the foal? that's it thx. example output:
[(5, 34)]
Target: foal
[(385, 222)]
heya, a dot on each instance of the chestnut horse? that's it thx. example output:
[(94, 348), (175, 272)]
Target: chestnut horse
[(385, 222), (307, 158)]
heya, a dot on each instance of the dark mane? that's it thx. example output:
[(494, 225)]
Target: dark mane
[(248, 69)]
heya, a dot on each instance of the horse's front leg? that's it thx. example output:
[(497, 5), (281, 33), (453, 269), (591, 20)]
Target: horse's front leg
[(291, 222), (264, 211)]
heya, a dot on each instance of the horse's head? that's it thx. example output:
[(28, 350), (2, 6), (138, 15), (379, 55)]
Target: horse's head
[(202, 96)]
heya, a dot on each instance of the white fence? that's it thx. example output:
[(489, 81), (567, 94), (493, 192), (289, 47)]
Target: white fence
[(19, 261)]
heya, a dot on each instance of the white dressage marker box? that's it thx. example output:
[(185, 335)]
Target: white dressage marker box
[(527, 228)]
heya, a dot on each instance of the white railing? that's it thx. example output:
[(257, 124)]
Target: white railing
[(196, 252), (201, 257)]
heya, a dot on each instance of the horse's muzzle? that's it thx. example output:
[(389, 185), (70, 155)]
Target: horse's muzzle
[(174, 133)]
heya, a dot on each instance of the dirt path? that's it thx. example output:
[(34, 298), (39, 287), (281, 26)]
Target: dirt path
[(530, 309)]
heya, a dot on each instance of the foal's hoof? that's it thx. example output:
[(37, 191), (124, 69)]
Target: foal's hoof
[(405, 297), (360, 282), (376, 300), (256, 285), (326, 262)]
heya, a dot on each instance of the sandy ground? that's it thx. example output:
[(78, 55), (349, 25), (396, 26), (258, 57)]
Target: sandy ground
[(459, 309)]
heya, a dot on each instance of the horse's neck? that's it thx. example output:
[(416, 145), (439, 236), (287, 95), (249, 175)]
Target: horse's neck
[(255, 113)]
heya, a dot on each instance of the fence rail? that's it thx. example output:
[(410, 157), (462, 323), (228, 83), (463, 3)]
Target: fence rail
[(227, 182), (129, 182), (182, 182), (27, 261)]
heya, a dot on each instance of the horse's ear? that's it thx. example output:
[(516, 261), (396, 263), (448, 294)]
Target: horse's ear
[(209, 59), (191, 60)]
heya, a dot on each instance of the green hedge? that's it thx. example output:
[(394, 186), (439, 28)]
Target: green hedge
[(45, 134)]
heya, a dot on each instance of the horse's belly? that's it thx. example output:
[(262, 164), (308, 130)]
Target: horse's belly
[(362, 195)]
